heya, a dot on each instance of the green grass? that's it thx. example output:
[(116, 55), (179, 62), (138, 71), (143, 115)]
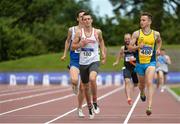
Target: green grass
[(49, 62), (52, 63), (176, 90)]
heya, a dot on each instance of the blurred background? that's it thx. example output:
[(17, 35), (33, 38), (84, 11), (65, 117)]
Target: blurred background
[(33, 32)]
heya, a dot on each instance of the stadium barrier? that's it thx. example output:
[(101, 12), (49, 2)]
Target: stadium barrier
[(62, 78)]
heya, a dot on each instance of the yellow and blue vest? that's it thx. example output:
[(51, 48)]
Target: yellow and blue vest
[(146, 54)]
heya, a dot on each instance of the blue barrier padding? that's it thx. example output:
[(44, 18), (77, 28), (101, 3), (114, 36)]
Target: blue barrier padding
[(63, 77)]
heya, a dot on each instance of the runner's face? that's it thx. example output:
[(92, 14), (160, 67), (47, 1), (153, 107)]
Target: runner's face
[(80, 18), (87, 20), (127, 39), (162, 52), (144, 21)]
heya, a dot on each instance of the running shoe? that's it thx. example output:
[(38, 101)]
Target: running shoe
[(162, 90), (96, 108), (143, 97), (80, 113), (149, 111), (129, 101), (91, 113)]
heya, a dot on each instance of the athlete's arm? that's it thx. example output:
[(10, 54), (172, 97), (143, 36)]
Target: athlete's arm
[(158, 41), (168, 59), (102, 46), (119, 56), (67, 43), (132, 46), (76, 41)]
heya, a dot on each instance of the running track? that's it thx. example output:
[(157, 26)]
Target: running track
[(57, 104)]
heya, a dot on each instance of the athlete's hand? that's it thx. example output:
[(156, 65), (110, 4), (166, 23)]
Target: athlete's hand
[(158, 52), (63, 57), (141, 45), (83, 42), (103, 58)]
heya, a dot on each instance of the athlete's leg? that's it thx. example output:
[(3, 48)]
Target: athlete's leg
[(87, 94), (134, 78), (84, 72), (165, 78), (80, 95), (80, 100), (149, 75), (139, 69), (74, 75), (127, 79), (161, 78), (164, 81), (141, 84), (128, 87), (92, 80), (93, 69), (128, 90), (156, 79)]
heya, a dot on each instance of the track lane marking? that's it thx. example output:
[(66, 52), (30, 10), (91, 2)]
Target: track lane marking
[(131, 110), (41, 103), (35, 95), (73, 110), (29, 91)]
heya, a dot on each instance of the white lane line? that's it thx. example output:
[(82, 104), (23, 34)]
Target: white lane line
[(29, 91), (36, 95), (132, 109), (15, 88), (99, 98), (41, 103), (173, 94)]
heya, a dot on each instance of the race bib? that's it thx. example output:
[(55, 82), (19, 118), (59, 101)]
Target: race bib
[(87, 52), (129, 58), (146, 51)]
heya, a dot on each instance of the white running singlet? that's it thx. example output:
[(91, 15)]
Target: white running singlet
[(89, 53)]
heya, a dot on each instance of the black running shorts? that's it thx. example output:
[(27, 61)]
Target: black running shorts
[(86, 69)]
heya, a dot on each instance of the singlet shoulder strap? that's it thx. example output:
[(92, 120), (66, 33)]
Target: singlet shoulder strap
[(83, 33), (95, 34)]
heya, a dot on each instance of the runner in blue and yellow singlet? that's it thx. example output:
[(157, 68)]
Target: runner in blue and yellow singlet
[(147, 43)]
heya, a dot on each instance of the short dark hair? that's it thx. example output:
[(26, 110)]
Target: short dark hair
[(149, 15), (79, 11), (87, 13)]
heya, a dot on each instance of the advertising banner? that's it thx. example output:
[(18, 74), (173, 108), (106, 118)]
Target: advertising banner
[(62, 78)]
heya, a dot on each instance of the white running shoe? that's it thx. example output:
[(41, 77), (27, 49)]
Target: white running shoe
[(162, 89), (96, 108), (80, 113)]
